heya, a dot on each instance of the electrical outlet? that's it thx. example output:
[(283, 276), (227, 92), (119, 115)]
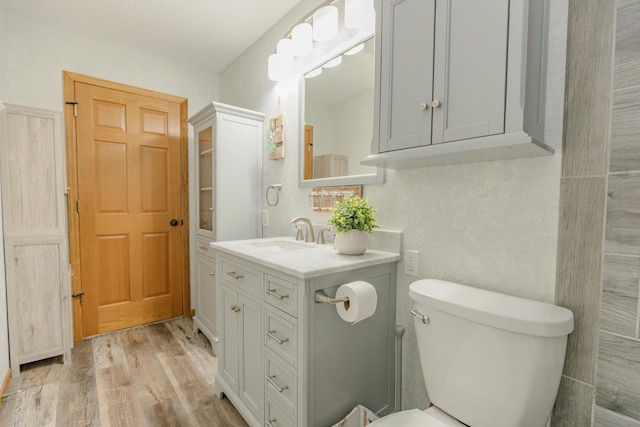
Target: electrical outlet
[(411, 260), (265, 218)]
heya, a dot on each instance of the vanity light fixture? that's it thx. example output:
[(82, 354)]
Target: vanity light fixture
[(302, 38), (281, 62), (325, 23), (279, 67), (359, 14), (333, 63), (314, 73)]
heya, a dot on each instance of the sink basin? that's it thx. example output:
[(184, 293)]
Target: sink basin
[(280, 245)]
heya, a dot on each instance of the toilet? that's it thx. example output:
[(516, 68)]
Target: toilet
[(488, 359)]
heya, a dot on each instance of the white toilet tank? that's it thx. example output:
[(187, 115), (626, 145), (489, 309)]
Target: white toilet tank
[(489, 359)]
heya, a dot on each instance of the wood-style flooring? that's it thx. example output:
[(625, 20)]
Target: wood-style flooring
[(154, 375)]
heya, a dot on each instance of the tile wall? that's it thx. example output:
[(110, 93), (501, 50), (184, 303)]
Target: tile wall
[(599, 236)]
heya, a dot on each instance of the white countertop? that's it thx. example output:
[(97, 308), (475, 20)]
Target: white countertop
[(300, 259)]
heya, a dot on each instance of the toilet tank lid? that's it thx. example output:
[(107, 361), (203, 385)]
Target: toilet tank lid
[(493, 309)]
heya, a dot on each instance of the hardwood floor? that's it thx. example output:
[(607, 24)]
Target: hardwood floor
[(154, 375)]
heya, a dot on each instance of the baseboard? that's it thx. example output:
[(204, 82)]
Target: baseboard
[(5, 384)]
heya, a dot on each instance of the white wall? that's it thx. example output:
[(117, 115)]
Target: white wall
[(489, 224), (38, 53)]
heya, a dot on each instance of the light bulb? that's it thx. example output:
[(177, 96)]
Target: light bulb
[(302, 39), (325, 23)]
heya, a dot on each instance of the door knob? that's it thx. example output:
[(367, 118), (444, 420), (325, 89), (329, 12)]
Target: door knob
[(173, 222)]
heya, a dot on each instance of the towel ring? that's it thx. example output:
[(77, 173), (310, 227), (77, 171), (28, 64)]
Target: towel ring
[(277, 188)]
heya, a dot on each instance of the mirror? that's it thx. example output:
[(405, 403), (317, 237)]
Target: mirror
[(336, 110)]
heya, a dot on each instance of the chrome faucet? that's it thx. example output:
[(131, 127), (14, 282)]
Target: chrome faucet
[(310, 237)]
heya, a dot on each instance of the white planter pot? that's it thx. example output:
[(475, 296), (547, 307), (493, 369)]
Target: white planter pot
[(353, 242)]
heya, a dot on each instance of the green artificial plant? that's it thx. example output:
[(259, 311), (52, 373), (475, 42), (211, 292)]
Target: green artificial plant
[(354, 213)]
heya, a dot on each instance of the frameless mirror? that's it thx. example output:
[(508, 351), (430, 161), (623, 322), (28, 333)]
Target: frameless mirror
[(336, 110)]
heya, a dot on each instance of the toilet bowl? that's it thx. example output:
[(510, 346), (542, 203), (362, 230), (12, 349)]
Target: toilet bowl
[(488, 359), (432, 417)]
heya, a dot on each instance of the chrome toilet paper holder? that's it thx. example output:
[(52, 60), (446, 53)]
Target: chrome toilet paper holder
[(322, 297)]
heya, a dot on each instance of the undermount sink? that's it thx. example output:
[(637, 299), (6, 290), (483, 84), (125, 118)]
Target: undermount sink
[(280, 245)]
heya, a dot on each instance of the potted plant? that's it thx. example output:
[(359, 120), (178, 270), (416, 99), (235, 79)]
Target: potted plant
[(353, 220)]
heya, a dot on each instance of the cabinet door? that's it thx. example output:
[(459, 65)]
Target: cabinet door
[(230, 356), (206, 302), (206, 162), (470, 65), (252, 380), (406, 73)]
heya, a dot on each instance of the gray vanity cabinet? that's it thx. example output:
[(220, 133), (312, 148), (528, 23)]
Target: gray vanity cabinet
[(240, 358), (456, 77), (297, 359)]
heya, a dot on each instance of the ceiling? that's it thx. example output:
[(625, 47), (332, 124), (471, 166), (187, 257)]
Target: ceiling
[(205, 34)]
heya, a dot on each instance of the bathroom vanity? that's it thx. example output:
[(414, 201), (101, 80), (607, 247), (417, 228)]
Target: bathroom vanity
[(286, 360)]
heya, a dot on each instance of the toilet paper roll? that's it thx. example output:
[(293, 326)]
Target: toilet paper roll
[(362, 301)]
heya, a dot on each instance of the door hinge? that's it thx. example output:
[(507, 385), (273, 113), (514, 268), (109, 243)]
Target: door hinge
[(78, 206), (79, 295), (75, 107)]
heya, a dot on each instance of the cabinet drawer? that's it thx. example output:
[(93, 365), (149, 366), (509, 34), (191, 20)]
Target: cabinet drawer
[(236, 274), (281, 336), (203, 248), (276, 416), (281, 294), (281, 384)]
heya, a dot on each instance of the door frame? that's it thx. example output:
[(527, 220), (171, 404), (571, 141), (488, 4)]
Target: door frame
[(70, 79)]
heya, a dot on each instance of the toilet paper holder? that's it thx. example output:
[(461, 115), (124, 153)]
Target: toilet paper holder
[(322, 297)]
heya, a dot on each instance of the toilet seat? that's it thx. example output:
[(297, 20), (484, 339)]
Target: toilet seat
[(432, 417)]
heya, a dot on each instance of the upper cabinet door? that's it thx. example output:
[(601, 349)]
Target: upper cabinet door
[(470, 67), (406, 72)]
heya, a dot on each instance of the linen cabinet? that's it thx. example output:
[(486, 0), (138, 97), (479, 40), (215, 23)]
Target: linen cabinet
[(459, 81), (35, 231), (228, 146)]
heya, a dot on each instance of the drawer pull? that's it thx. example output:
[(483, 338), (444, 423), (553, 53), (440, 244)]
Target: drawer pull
[(235, 275), (272, 335), (277, 387), (235, 308), (204, 248), (273, 293), (271, 423)]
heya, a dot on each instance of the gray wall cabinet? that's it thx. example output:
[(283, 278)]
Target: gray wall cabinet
[(458, 81)]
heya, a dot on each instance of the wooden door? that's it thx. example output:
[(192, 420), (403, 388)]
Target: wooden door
[(308, 152), (129, 192)]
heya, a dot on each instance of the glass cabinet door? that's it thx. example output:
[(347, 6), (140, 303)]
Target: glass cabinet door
[(206, 165)]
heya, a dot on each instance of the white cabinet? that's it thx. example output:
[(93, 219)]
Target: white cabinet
[(35, 231), (286, 360), (458, 81), (240, 314), (228, 146)]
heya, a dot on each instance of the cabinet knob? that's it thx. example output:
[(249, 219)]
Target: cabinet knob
[(235, 308), (423, 106), (211, 273), (436, 103)]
